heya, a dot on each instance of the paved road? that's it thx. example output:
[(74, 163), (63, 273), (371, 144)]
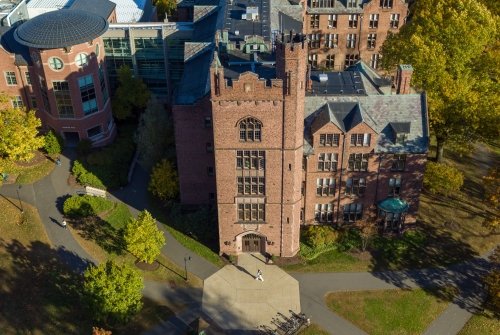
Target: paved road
[(47, 195)]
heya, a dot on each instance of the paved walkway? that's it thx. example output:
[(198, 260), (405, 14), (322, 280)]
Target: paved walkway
[(47, 195), (235, 300)]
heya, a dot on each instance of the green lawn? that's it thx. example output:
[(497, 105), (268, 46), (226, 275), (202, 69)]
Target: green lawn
[(387, 312), (480, 324), (330, 261)]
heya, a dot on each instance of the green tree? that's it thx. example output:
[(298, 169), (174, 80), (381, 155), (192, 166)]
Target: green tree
[(131, 96), (319, 236), (163, 183), (442, 178), (53, 143), (18, 132), (155, 134), (457, 69), (165, 8), (143, 238), (113, 292)]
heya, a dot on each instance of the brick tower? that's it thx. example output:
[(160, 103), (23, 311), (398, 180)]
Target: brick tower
[(258, 139)]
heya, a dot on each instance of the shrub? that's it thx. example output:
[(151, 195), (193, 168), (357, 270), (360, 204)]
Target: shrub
[(84, 147), (85, 177), (163, 183), (319, 236), (53, 143), (349, 239), (86, 205), (442, 178)]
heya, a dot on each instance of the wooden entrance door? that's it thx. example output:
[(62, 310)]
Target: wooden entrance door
[(252, 243)]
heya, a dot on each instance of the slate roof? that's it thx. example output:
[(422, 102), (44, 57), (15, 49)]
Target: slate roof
[(102, 8), (7, 41), (61, 28), (286, 16), (382, 111)]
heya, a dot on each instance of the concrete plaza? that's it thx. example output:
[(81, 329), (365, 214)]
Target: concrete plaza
[(234, 300)]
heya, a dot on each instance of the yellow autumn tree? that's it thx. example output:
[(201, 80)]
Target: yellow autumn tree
[(19, 136), (454, 50)]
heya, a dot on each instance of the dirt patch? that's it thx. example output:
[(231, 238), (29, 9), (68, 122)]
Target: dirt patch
[(361, 255), (37, 159), (146, 266), (72, 181), (283, 261)]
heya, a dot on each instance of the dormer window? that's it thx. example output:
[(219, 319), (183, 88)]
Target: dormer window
[(352, 3), (401, 131)]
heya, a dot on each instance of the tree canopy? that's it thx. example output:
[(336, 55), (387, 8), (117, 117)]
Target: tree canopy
[(453, 48), (18, 132), (442, 178), (143, 238), (165, 7), (113, 292), (130, 96), (163, 183), (155, 134)]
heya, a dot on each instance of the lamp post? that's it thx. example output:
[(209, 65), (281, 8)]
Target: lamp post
[(186, 259), (19, 198)]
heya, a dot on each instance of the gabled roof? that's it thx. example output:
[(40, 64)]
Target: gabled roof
[(345, 115), (401, 127)]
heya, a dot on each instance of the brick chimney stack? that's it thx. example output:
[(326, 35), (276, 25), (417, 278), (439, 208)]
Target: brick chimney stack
[(403, 79)]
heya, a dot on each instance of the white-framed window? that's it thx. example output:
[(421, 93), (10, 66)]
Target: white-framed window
[(353, 20), (325, 187), (394, 21), (331, 40), (330, 61), (314, 41), (97, 50), (351, 41), (394, 187), (329, 140), (82, 59), (17, 102), (327, 161), (332, 21), (313, 60), (373, 23), (10, 78), (353, 212), (374, 60), (314, 21), (351, 59), (352, 3), (358, 140), (355, 186), (398, 162), (28, 77), (323, 213), (55, 63), (386, 3), (372, 41), (358, 162)]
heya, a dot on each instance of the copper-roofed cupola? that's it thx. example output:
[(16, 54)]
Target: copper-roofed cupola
[(61, 28)]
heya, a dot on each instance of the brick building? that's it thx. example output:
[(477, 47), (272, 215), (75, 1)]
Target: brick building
[(341, 32), (275, 145), (54, 63)]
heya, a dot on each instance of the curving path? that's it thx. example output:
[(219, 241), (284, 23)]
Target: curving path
[(47, 193)]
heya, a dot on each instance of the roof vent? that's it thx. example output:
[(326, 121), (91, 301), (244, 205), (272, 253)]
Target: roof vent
[(323, 77)]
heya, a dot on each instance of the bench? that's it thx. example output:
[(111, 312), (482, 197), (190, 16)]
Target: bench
[(95, 192)]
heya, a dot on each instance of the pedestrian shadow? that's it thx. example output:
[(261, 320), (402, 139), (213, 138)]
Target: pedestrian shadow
[(242, 269), (57, 222)]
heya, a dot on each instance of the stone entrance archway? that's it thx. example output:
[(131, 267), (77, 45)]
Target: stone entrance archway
[(252, 243)]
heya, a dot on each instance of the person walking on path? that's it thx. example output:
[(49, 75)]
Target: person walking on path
[(58, 161), (259, 275), (64, 224)]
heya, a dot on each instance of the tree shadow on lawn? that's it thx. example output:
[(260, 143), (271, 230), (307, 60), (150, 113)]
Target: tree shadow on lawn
[(94, 228), (39, 292), (460, 281)]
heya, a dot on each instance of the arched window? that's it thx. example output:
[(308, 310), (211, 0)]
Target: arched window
[(250, 130)]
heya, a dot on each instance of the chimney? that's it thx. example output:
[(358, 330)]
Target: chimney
[(403, 79)]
